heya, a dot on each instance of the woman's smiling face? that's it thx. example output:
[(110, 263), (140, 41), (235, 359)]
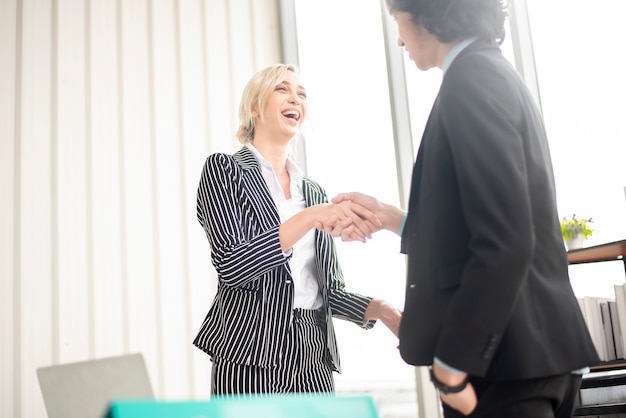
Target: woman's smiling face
[(285, 109)]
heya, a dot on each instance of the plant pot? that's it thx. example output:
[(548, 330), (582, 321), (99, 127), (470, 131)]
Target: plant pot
[(574, 243)]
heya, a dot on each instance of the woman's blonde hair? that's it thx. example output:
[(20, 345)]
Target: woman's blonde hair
[(255, 95)]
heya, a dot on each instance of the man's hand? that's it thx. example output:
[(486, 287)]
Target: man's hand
[(464, 401), (390, 216)]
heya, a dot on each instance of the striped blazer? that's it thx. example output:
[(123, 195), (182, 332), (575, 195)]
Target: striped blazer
[(253, 307)]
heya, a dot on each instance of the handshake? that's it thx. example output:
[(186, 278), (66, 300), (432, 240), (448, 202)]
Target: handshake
[(355, 216)]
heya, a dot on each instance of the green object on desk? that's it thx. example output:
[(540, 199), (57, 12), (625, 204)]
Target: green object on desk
[(159, 409), (282, 406)]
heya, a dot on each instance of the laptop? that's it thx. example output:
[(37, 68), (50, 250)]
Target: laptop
[(86, 389)]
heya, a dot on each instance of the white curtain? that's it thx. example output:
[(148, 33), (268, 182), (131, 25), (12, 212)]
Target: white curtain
[(108, 109)]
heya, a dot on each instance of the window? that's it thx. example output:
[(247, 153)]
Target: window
[(350, 147), (580, 70), (572, 57)]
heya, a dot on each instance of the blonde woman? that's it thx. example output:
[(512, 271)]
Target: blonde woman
[(269, 328)]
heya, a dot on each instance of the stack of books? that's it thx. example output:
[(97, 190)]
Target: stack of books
[(606, 320)]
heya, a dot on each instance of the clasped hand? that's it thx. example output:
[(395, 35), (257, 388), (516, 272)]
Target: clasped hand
[(348, 220), (368, 215)]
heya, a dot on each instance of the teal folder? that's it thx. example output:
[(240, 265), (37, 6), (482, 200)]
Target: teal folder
[(158, 409), (264, 407)]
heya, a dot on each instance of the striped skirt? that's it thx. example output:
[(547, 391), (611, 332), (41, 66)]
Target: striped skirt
[(304, 367)]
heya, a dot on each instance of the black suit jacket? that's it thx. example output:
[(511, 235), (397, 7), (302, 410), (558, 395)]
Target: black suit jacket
[(488, 290)]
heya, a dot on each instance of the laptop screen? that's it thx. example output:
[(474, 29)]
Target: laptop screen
[(85, 389)]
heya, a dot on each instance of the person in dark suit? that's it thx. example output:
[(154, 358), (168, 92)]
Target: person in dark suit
[(489, 305), (269, 328)]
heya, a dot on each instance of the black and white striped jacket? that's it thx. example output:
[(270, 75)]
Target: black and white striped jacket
[(253, 307)]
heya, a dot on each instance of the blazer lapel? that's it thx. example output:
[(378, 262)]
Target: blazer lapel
[(256, 188), (415, 180), (312, 196), (324, 248)]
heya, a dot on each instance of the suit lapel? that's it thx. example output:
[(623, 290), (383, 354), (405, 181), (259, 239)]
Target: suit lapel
[(256, 189), (312, 196), (416, 177)]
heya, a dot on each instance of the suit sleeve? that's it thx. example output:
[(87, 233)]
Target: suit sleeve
[(240, 255), (344, 305), (481, 121)]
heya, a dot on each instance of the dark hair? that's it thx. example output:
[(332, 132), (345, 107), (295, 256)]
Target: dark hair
[(449, 20)]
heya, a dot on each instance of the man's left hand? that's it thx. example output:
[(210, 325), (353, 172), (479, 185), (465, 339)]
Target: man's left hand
[(464, 401)]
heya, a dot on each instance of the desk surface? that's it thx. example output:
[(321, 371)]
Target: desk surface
[(604, 252)]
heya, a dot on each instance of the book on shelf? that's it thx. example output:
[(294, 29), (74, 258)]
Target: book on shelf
[(593, 318), (620, 304), (607, 326), (618, 338)]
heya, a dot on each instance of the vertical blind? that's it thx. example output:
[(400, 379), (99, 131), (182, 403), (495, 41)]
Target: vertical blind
[(107, 112)]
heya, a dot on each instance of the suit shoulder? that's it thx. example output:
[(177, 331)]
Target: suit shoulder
[(219, 160), (481, 79), (220, 165)]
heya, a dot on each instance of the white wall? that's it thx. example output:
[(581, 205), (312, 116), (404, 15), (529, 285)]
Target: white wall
[(107, 112)]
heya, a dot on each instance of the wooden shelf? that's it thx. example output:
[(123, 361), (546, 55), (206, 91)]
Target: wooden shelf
[(599, 410), (604, 379), (613, 383), (609, 365), (604, 252)]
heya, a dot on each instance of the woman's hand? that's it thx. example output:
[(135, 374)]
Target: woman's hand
[(388, 314)]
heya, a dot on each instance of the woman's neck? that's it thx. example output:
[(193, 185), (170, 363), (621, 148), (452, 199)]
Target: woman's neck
[(275, 154)]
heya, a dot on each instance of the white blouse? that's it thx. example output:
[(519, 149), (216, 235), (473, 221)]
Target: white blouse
[(302, 263)]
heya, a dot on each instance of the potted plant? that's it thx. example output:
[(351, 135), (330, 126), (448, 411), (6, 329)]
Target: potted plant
[(575, 231)]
